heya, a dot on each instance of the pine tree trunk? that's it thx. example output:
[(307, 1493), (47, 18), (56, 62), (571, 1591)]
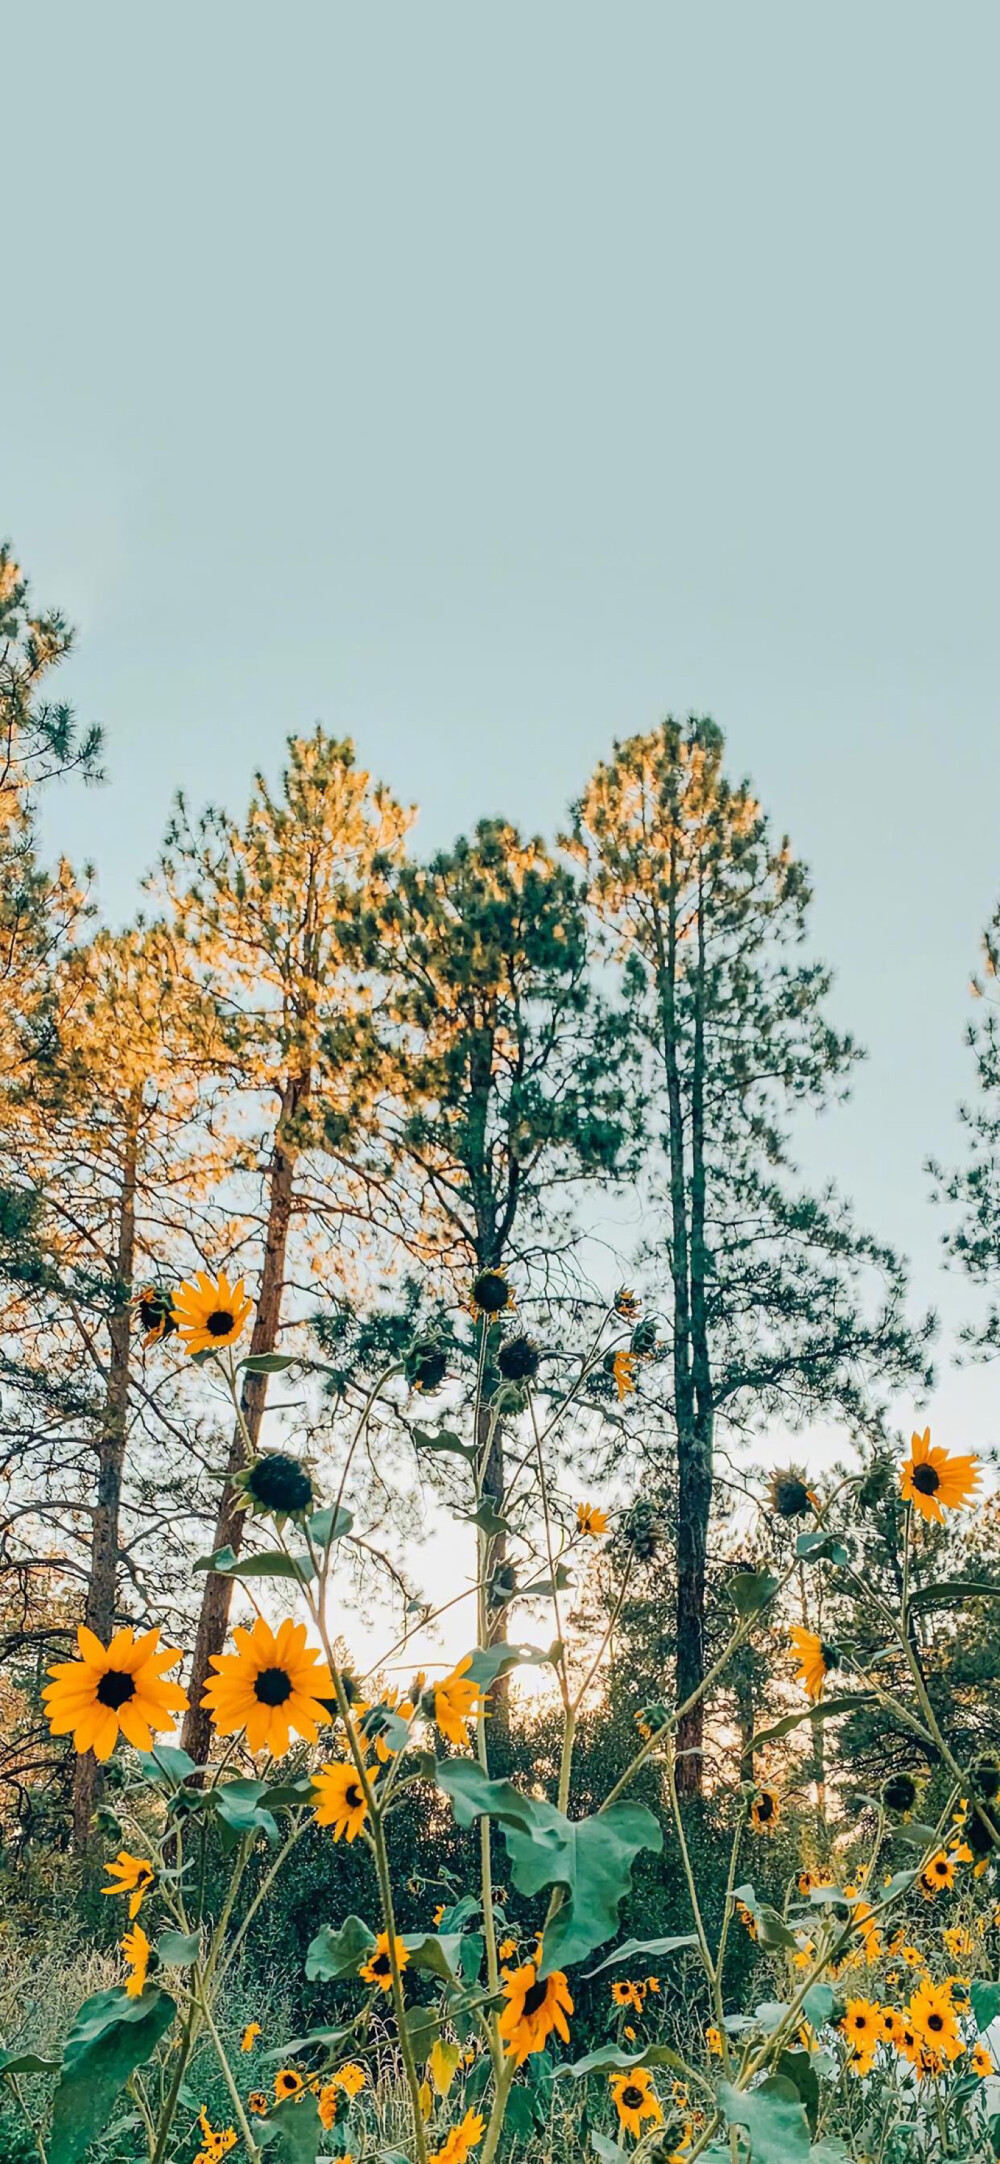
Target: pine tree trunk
[(213, 1621), (695, 1499), (102, 1588)]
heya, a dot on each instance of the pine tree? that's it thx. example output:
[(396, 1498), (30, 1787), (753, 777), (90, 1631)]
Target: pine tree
[(781, 1308), (973, 1243), (262, 908)]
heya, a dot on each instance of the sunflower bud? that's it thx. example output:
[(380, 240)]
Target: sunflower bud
[(517, 1360), (426, 1364), (899, 1793), (644, 1337), (642, 1529), (276, 1486), (787, 1493), (627, 1304)]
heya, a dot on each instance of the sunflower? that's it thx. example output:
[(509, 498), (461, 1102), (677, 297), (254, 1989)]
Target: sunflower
[(627, 1304), (934, 1481), (899, 1793), (136, 1949), (114, 1690), (378, 1967), (258, 2102), (747, 1917), (635, 2100), (590, 1520), (932, 2016), (765, 1810), (327, 2104), (249, 2036), (893, 2026), (135, 1877), (623, 1372), (787, 1493), (816, 1660), (491, 1295), (627, 1994), (459, 2144), (533, 2010), (155, 1309), (340, 1800), (713, 2039), (439, 1912), (210, 1313), (350, 2078), (981, 2060), (864, 1924), (456, 1699), (863, 2026), (938, 1876), (218, 2141), (269, 1686), (275, 1486), (507, 1949), (287, 2083)]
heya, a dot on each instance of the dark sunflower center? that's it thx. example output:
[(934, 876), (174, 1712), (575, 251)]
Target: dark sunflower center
[(272, 1687), (941, 1869), (632, 2097), (935, 2022), (765, 1807), (353, 1797), (534, 1999), (149, 1314), (926, 1480), (219, 1322), (115, 1688), (382, 1965)]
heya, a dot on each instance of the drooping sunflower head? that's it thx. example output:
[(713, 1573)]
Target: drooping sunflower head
[(275, 1486), (787, 1493), (491, 1294), (534, 2008), (210, 1312), (899, 1793), (154, 1306), (642, 1531), (503, 1585), (426, 1364), (627, 1304), (982, 1839), (765, 1810), (816, 1658), (518, 1360), (935, 1481)]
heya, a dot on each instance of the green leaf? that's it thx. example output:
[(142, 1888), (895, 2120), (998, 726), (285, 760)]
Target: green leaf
[(444, 1440), (489, 1662), (111, 2035), (488, 1519), (175, 1950), (643, 1946), (284, 1796), (949, 1590), (818, 2004), (238, 1804), (267, 1363), (423, 2026), (26, 2062), (608, 2150), (820, 1547), (440, 1955), (167, 1765), (609, 2058), (329, 1525), (519, 2118), (797, 2067), (827, 1710), (270, 1563), (751, 1590), (985, 1998), (831, 2150), (339, 1953), (590, 1858), (772, 1931), (330, 2039), (544, 1588), (293, 2131), (774, 2117)]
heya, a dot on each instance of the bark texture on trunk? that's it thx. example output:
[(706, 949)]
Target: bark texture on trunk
[(102, 1589), (213, 1621)]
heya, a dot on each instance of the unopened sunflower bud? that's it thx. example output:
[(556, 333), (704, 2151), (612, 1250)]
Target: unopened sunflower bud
[(275, 1486), (490, 1293), (518, 1359), (426, 1364)]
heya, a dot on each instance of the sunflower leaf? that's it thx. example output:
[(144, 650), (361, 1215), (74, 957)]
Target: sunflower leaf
[(270, 1563), (751, 1590), (293, 2131), (607, 2150), (589, 1858), (238, 1804), (338, 1953), (267, 1363), (643, 1946), (774, 2117), (26, 2062), (951, 1589), (985, 2000), (167, 1765), (329, 1525), (439, 1954), (176, 1950), (489, 1662), (444, 1440), (611, 2059), (827, 1710), (487, 1517), (111, 2035), (820, 1547)]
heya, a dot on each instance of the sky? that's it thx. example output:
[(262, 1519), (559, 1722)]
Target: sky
[(485, 384)]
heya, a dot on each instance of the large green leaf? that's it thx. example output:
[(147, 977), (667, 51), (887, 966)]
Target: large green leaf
[(329, 1525), (26, 2062), (797, 2067), (441, 1955), (167, 1765), (751, 1590), (339, 1953), (774, 2117), (177, 1950), (607, 2150), (444, 1440), (949, 1590), (270, 1563), (643, 1946), (489, 1662), (985, 2000), (820, 1547), (827, 1710), (818, 2004), (111, 2035), (267, 1363), (487, 1517), (293, 2131), (238, 1804), (589, 1858), (611, 2059)]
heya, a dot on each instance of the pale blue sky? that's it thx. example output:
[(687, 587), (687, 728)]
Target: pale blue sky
[(485, 382)]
